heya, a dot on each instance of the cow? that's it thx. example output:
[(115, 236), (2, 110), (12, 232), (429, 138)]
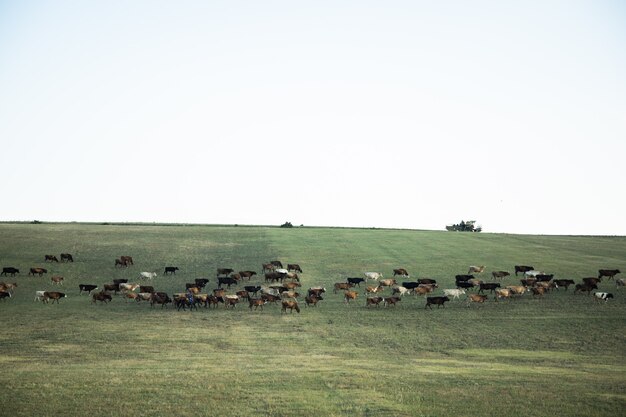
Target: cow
[(316, 291), (533, 273), (592, 280), (373, 275), (488, 286), (585, 287), (598, 296), (355, 281), (103, 297), (294, 267), (112, 287), (67, 257), (247, 274), (41, 296), (256, 303), (538, 291), (438, 301), (349, 295), (270, 298), (463, 278), (400, 290), (373, 301), (267, 268), (473, 269), (224, 271), (387, 282), (277, 264), (274, 276), (50, 258), (144, 296), (291, 305), (400, 271), (608, 273), (544, 277), (502, 293), (499, 274), (39, 271), (252, 289), (516, 289), (147, 275), (8, 287), (226, 281), (454, 293), (202, 282), (341, 286), (120, 263), (131, 296), (54, 296), (410, 285), (159, 298), (464, 285), (391, 301), (120, 281), (4, 294), (371, 289), (312, 300), (476, 298), (9, 270), (170, 270), (231, 301), (563, 283), (423, 289), (620, 282), (427, 281), (528, 282), (127, 260), (56, 279), (243, 294), (523, 268), (125, 287)]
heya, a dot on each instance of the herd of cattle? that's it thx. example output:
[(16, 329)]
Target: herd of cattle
[(282, 285)]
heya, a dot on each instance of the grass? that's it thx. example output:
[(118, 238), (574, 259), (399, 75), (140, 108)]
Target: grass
[(560, 355)]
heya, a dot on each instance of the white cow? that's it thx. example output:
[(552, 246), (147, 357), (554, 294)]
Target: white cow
[(373, 275), (147, 275), (454, 293), (41, 296), (400, 290), (533, 273), (602, 296)]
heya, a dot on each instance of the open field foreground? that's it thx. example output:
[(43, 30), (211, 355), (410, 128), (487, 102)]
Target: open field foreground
[(559, 354)]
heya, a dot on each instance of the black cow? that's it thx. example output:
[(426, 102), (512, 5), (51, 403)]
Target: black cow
[(355, 281), (253, 289), (102, 296), (464, 284), (410, 285), (67, 257), (277, 264), (585, 287), (9, 270), (489, 286), (226, 280), (202, 281), (86, 287), (544, 277), (523, 268), (4, 294), (608, 273), (463, 278), (224, 271), (439, 301), (563, 283), (170, 270), (427, 281), (294, 267)]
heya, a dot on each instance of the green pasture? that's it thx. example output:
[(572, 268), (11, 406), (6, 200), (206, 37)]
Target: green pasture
[(560, 355)]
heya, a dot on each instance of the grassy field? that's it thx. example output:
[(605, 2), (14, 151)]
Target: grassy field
[(559, 355)]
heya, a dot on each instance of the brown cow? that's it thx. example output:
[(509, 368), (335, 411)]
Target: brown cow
[(54, 296), (538, 291), (499, 274), (400, 271), (291, 305), (247, 274), (127, 260), (476, 298), (373, 301), (423, 289), (608, 273), (56, 279), (294, 267), (312, 300), (341, 286), (438, 301), (39, 271), (387, 282), (473, 269), (370, 289), (103, 297), (502, 293), (391, 301), (256, 303), (350, 295)]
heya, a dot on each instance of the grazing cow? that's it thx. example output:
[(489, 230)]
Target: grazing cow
[(373, 275), (226, 281), (608, 273), (312, 300), (127, 260), (54, 296), (463, 278), (563, 283), (4, 294), (499, 274), (170, 270), (620, 282), (545, 285), (602, 296), (103, 297), (9, 270), (294, 267), (341, 286), (277, 264), (147, 275), (523, 268), (355, 281), (400, 271), (476, 298), (502, 293), (291, 305), (349, 295), (585, 288), (131, 296), (373, 301), (56, 279), (473, 269), (39, 271), (488, 286), (391, 301), (67, 257), (224, 271), (256, 303), (454, 293), (247, 274), (267, 268), (423, 289), (292, 285), (50, 258), (438, 301)]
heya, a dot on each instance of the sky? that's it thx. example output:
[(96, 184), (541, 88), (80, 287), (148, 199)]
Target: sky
[(395, 114)]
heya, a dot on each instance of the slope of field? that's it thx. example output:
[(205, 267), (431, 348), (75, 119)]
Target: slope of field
[(562, 354)]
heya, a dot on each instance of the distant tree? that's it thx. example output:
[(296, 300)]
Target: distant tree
[(464, 226), (286, 224)]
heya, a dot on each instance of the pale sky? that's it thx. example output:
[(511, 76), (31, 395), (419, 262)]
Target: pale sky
[(407, 114)]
